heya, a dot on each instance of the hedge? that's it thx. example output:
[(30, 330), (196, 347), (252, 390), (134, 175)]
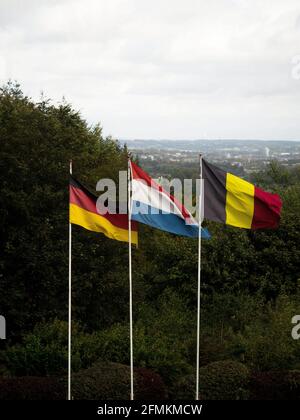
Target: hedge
[(275, 385), (222, 380), (101, 381), (32, 388)]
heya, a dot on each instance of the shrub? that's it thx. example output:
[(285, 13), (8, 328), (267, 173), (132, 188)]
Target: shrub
[(272, 327), (149, 385), (32, 388), (44, 351), (163, 339), (275, 385), (183, 388), (224, 380), (112, 381), (102, 381)]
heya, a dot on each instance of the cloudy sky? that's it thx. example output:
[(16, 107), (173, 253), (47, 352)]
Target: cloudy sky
[(162, 68)]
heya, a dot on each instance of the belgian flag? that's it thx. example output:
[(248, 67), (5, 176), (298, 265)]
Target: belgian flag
[(83, 212), (232, 200)]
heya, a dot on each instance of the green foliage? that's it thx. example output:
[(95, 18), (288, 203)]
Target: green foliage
[(37, 142), (163, 335), (101, 381), (162, 340), (266, 340), (111, 381), (224, 380), (44, 351)]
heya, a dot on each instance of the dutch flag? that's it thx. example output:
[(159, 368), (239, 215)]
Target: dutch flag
[(154, 206)]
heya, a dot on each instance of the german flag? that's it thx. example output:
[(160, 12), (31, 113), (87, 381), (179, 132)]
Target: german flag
[(83, 212), (234, 201)]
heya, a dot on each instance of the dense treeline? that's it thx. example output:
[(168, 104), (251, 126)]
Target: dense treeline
[(250, 280)]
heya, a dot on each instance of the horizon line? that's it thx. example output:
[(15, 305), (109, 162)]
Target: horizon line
[(211, 139)]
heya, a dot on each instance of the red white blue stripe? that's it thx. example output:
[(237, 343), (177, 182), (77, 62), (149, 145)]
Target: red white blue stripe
[(154, 206)]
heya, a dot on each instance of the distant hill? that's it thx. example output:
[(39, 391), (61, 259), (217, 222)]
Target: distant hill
[(208, 145)]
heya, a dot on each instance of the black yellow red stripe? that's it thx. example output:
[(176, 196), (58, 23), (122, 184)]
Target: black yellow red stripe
[(232, 200), (83, 212)]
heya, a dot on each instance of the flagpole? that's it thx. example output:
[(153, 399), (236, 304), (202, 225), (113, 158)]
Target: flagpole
[(130, 283), (70, 304), (199, 277)]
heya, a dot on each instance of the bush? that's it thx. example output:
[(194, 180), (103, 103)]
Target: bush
[(149, 385), (184, 388), (224, 380), (273, 326), (44, 351), (163, 340), (32, 388), (275, 385), (102, 381), (112, 381)]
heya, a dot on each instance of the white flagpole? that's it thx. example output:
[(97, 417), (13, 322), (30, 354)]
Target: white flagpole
[(70, 303), (130, 283), (200, 198)]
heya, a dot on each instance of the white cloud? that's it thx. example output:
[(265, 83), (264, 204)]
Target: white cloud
[(166, 68)]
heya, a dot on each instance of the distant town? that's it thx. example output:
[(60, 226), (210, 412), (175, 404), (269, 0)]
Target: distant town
[(243, 156)]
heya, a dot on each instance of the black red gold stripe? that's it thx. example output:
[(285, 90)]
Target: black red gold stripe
[(83, 212)]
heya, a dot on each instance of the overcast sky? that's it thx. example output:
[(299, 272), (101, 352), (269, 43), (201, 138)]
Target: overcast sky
[(175, 69)]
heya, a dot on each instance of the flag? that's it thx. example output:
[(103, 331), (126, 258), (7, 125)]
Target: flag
[(83, 212), (234, 201), (154, 206)]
